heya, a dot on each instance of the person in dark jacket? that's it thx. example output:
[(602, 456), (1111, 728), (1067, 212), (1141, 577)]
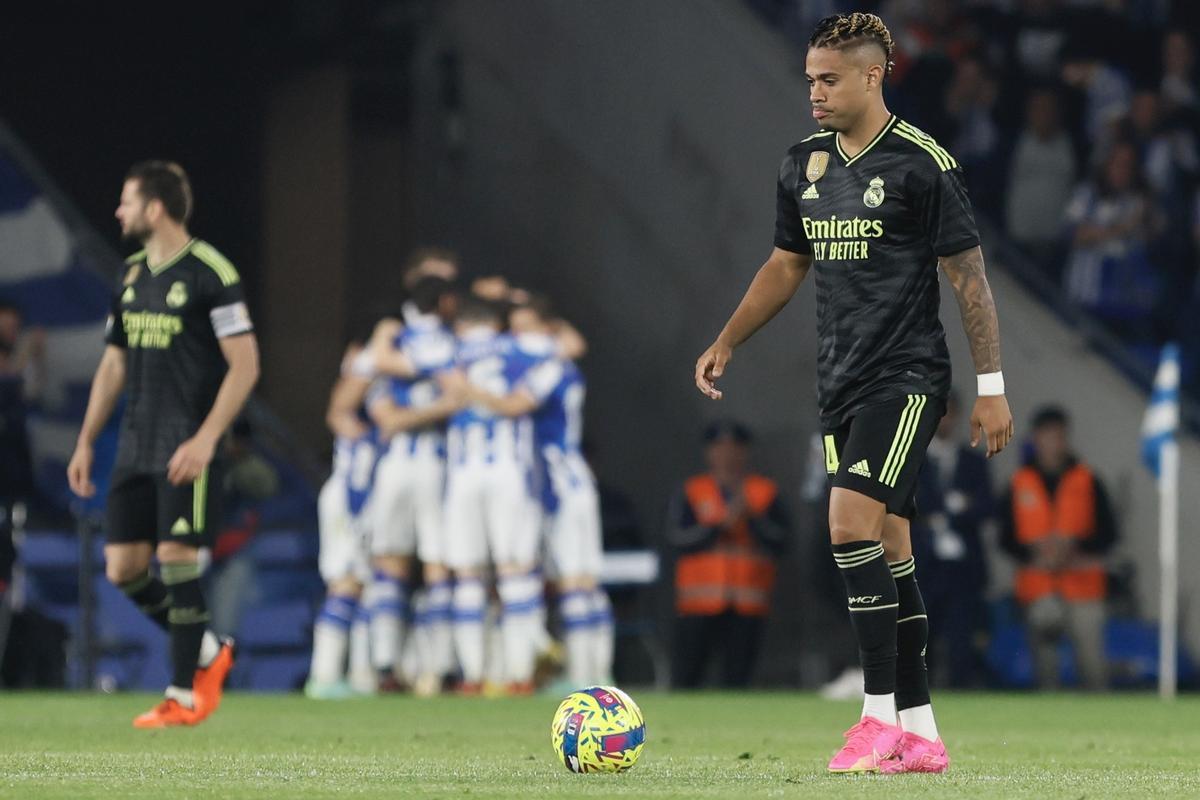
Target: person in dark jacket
[(955, 502)]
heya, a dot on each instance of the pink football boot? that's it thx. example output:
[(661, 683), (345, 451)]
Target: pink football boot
[(868, 744), (917, 754)]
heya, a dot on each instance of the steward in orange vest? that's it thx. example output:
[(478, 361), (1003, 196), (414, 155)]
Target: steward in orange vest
[(1057, 523), (727, 564), (727, 527)]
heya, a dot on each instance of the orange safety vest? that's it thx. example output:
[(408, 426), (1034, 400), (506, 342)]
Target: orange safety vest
[(736, 571), (1071, 512)]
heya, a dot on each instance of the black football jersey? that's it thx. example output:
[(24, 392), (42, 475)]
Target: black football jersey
[(168, 319), (875, 225)]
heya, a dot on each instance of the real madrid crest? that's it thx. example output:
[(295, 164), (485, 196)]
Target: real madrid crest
[(873, 196), (177, 296), (817, 163)]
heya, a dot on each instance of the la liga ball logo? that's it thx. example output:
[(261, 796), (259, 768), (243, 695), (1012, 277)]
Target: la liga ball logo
[(599, 729)]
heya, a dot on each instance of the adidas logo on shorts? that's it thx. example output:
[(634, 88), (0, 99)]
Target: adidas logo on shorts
[(810, 193), (861, 469)]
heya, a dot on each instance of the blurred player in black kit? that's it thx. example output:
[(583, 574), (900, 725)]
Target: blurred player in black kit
[(180, 343)]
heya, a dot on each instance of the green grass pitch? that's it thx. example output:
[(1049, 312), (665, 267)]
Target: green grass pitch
[(699, 746)]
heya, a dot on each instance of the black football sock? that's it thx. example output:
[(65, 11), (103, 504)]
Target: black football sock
[(912, 635), (150, 595), (871, 593), (188, 619)]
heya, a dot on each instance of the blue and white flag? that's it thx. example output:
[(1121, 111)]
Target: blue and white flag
[(1161, 423)]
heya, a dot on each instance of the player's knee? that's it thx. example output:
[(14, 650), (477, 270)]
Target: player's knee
[(854, 517), (124, 563), (123, 571), (392, 566), (577, 583), (345, 587), (435, 573), (176, 553), (510, 569)]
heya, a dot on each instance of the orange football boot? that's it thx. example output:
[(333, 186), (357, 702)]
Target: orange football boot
[(209, 681), (167, 714)]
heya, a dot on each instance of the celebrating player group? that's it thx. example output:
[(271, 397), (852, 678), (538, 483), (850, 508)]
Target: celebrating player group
[(459, 428), (873, 206)]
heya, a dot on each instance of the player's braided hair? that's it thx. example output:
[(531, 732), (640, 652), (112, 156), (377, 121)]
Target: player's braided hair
[(842, 30)]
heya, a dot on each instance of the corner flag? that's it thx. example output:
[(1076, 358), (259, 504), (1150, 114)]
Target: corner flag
[(1161, 423), (1160, 450)]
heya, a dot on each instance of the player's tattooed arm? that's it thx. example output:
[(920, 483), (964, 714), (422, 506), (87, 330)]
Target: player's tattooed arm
[(975, 304), (991, 419)]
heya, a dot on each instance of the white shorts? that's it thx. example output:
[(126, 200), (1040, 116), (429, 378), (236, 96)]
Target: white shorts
[(574, 546), (407, 506), (490, 515), (343, 547)]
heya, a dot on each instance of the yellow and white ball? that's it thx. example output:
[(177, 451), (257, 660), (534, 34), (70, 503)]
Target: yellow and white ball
[(599, 729)]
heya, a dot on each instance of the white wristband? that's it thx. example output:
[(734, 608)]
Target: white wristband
[(990, 384)]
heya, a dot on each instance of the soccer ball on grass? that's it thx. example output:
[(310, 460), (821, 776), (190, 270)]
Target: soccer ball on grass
[(599, 729)]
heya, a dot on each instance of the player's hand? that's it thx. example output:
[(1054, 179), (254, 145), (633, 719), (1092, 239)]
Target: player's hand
[(992, 422), (190, 459), (79, 471), (454, 384), (737, 509), (711, 366), (348, 426)]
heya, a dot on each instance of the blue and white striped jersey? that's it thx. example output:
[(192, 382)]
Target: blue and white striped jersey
[(431, 349), (361, 457), (494, 363), (560, 389), (354, 460)]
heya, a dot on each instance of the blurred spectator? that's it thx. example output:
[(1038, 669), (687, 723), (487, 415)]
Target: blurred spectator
[(249, 480), (1036, 38), (1167, 149), (21, 375), (954, 498), (1111, 219), (1179, 72), (1041, 177), (728, 526), (970, 108), (1105, 89), (1057, 523)]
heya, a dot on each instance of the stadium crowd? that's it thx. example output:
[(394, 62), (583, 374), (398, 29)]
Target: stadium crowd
[(1078, 123)]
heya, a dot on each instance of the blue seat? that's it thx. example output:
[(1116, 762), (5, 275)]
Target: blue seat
[(49, 550), (277, 673), (284, 548), (276, 628), (277, 586)]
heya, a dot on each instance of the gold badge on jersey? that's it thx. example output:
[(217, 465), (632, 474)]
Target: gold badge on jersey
[(128, 295), (873, 196), (818, 162), (132, 274), (177, 296)]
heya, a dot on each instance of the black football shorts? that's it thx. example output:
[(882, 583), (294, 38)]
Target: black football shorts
[(879, 451), (145, 507)]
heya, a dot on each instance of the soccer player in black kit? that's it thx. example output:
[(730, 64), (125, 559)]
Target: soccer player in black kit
[(874, 206), (181, 345)]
